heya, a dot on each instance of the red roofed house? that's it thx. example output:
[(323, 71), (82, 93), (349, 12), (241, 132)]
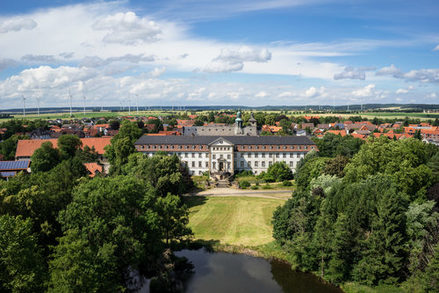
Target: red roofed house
[(26, 148), (93, 168)]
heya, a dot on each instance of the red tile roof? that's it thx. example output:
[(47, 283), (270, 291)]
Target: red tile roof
[(93, 168), (26, 148)]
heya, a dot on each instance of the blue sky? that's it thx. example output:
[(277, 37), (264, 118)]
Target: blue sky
[(240, 52)]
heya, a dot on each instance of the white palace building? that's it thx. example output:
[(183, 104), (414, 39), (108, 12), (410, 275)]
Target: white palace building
[(229, 154)]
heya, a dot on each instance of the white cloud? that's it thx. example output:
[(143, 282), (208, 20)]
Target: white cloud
[(423, 75), (128, 28), (352, 73), (5, 63), (95, 61), (233, 59), (401, 91), (285, 94), (313, 92), (436, 48), (156, 72), (261, 94), (389, 70), (367, 91), (17, 24)]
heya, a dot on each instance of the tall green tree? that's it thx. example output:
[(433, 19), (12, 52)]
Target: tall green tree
[(385, 259), (45, 158), (68, 144), (22, 267)]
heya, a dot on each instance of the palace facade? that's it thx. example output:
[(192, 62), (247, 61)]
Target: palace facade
[(229, 154)]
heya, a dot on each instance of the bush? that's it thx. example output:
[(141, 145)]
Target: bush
[(244, 184), (244, 174), (266, 186), (287, 183), (254, 187)]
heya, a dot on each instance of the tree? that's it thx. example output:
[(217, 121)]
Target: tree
[(332, 145), (45, 158), (280, 171), (165, 173), (114, 124), (77, 266), (430, 278), (68, 144), (9, 145), (336, 166), (340, 264), (384, 260), (174, 218), (22, 266)]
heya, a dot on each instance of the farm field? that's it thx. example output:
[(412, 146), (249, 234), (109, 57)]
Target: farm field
[(233, 220)]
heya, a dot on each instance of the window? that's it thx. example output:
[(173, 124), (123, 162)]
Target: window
[(278, 147), (228, 156), (221, 156), (241, 164), (199, 155), (249, 155), (263, 155), (263, 163), (270, 163), (186, 155), (263, 147), (256, 164), (270, 155), (193, 164), (193, 155), (249, 164), (284, 155), (200, 164), (277, 155), (214, 156), (291, 155), (214, 165), (292, 164), (207, 164), (256, 155)]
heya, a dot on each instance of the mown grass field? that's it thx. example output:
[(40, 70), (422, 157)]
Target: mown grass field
[(241, 221)]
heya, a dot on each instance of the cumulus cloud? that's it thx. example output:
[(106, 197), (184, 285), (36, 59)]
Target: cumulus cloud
[(39, 58), (313, 92), (5, 63), (436, 48), (95, 61), (66, 55), (353, 73), (390, 70), (261, 94), (422, 75), (128, 28), (367, 91), (285, 94), (233, 60), (401, 91), (17, 24), (156, 72)]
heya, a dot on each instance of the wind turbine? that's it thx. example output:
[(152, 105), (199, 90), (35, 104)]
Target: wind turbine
[(70, 98), (24, 105), (38, 105), (137, 104), (84, 97)]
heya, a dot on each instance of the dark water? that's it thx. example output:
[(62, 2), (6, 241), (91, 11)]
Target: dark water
[(225, 272)]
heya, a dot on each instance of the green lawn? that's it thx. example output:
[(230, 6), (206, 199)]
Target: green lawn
[(242, 221)]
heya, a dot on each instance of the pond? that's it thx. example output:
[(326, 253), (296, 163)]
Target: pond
[(225, 272)]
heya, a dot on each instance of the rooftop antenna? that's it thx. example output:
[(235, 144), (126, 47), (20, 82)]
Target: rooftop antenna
[(24, 105), (70, 98)]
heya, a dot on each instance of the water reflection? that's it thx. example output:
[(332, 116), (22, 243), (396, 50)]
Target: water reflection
[(225, 272)]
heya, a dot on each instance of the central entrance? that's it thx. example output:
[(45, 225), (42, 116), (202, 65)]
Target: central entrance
[(221, 166)]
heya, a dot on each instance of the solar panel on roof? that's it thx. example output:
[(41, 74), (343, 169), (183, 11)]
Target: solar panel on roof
[(14, 165), (7, 174)]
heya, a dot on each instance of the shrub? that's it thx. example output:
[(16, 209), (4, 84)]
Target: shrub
[(287, 183), (244, 184), (266, 186), (244, 173), (254, 187)]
